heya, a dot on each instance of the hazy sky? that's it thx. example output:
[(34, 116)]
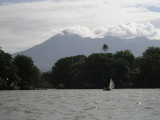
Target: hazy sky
[(25, 23)]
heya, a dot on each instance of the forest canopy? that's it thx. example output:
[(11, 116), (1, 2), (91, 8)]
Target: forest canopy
[(79, 72)]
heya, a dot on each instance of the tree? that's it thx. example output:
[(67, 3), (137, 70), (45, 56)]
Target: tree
[(124, 66), (64, 72), (96, 70), (8, 71), (126, 55), (151, 51), (45, 80), (27, 71), (149, 68), (105, 48), (121, 73), (99, 69)]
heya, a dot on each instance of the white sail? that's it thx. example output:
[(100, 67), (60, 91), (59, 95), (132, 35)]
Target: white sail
[(111, 84), (110, 87)]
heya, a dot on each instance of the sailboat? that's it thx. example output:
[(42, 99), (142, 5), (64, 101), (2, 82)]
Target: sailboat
[(110, 87)]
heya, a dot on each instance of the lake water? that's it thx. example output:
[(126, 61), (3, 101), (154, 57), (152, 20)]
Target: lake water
[(118, 104)]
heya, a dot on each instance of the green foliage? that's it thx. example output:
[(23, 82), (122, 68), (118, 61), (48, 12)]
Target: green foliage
[(5, 64), (105, 47), (99, 69), (64, 71), (8, 71), (45, 79), (27, 71), (149, 68), (127, 56), (124, 66), (95, 70), (80, 71), (151, 51)]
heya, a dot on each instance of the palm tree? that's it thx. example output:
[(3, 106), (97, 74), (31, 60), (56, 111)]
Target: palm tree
[(105, 48)]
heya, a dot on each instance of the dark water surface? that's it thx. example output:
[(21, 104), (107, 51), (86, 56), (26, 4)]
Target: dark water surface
[(118, 104)]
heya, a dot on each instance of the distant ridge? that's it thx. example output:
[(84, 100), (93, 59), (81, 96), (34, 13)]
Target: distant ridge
[(59, 46)]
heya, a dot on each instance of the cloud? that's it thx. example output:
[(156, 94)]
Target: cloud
[(124, 31), (132, 30), (79, 30), (29, 23)]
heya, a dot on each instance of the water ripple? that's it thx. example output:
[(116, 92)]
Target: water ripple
[(127, 104)]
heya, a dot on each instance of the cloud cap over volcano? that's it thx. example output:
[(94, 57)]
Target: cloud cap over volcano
[(26, 23)]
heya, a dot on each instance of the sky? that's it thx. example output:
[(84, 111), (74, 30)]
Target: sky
[(25, 23)]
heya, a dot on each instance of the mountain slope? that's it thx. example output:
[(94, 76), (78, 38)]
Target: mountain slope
[(46, 54)]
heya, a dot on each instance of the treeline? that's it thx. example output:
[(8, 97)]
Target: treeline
[(19, 73), (78, 72), (97, 69)]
